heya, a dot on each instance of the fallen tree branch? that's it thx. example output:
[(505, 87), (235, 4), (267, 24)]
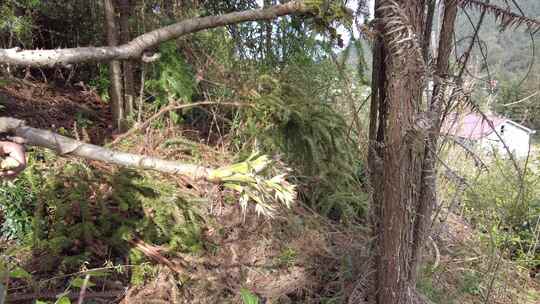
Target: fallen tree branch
[(135, 48), (152, 253), (68, 146), (167, 109), (25, 297), (249, 178)]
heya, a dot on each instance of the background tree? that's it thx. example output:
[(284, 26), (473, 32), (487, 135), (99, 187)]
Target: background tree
[(115, 68), (128, 72)]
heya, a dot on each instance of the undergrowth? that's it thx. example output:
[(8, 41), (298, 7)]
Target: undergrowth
[(294, 116), (73, 216), (505, 206), (484, 232), (78, 215)]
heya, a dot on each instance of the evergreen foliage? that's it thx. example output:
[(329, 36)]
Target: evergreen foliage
[(16, 28), (81, 214), (173, 78), (294, 116)]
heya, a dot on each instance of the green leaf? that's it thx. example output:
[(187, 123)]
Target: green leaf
[(63, 300), (175, 117), (98, 273), (41, 302), (19, 273), (248, 297), (78, 283)]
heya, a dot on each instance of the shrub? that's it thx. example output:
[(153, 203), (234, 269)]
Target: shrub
[(505, 205), (294, 115), (80, 213)]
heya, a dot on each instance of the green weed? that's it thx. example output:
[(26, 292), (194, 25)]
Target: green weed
[(287, 257), (432, 292), (471, 282)]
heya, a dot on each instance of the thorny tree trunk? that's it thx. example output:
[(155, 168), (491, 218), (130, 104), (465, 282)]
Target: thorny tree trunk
[(115, 69), (428, 196), (127, 65), (401, 159)]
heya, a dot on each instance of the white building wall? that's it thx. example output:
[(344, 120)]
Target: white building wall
[(516, 139)]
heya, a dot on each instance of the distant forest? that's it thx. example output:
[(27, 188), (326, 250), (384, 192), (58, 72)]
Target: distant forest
[(509, 58)]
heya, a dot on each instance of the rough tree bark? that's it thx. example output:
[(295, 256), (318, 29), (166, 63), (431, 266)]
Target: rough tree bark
[(134, 49), (377, 125), (403, 140), (401, 157), (115, 69), (398, 146)]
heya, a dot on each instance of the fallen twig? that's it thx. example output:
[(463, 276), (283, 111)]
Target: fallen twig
[(154, 254), (25, 297), (167, 109), (82, 293)]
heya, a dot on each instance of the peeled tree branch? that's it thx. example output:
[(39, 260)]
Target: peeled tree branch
[(250, 178), (135, 48)]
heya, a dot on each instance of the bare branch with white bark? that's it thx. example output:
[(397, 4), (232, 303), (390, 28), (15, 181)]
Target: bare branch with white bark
[(67, 146), (247, 178), (134, 49)]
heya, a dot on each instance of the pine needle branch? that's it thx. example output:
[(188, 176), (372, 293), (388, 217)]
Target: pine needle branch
[(504, 16)]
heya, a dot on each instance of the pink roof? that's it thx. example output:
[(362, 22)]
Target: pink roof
[(470, 126)]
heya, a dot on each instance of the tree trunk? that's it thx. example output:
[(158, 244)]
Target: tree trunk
[(127, 65), (115, 69), (428, 193), (268, 34), (403, 142), (377, 126), (398, 147)]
